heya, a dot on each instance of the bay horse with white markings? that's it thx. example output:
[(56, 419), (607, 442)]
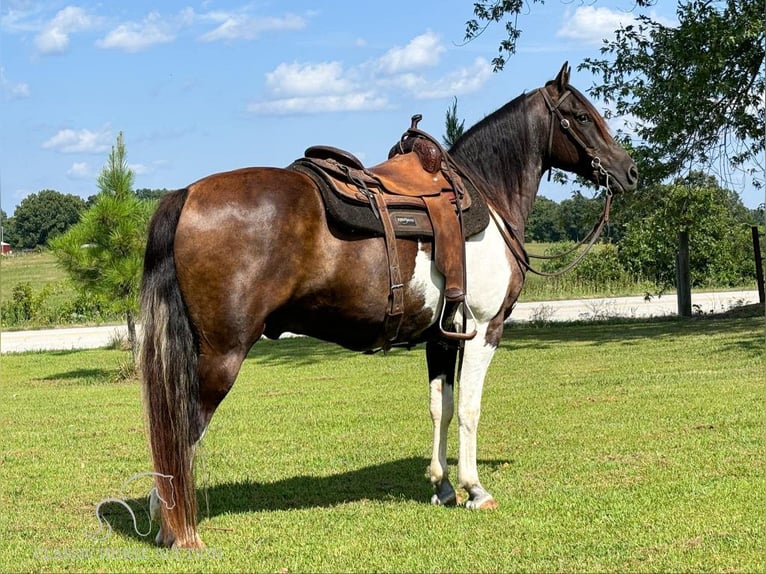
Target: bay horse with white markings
[(250, 252)]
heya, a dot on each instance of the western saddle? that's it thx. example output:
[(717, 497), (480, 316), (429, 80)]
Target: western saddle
[(416, 194)]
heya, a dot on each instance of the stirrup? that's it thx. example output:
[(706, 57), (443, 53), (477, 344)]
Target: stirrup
[(453, 335)]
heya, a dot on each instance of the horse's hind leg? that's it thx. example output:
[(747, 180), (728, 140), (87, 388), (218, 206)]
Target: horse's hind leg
[(441, 373), (217, 373)]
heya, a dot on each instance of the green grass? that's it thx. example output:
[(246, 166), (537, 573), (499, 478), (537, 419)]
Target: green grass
[(636, 446), (39, 269)]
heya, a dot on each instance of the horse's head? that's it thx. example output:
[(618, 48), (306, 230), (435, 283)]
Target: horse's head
[(579, 140)]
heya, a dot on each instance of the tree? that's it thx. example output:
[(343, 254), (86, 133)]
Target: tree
[(695, 90), (578, 215), (103, 253), (42, 216), (544, 222), (454, 127), (4, 226), (718, 225), (150, 194)]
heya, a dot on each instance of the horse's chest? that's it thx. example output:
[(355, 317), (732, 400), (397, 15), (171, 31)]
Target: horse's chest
[(488, 275)]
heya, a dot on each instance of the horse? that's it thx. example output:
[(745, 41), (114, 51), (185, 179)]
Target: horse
[(250, 253)]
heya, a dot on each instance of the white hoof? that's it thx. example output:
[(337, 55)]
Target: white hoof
[(480, 499)]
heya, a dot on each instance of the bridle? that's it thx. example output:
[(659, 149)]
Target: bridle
[(595, 161), (590, 151), (565, 125)]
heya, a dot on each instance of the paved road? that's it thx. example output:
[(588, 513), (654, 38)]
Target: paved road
[(97, 337)]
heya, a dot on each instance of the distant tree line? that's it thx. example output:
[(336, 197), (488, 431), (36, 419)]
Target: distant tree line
[(47, 214), (644, 228), (573, 218)]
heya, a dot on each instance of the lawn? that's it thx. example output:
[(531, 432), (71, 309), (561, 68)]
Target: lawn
[(634, 446)]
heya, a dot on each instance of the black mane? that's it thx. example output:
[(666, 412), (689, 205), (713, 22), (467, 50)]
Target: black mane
[(498, 150)]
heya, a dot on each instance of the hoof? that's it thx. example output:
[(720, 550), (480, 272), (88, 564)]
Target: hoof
[(480, 499), (444, 494), (190, 543), (487, 504), (449, 501), (164, 538)]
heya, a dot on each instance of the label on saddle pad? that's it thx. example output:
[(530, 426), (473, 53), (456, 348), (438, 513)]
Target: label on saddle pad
[(405, 220)]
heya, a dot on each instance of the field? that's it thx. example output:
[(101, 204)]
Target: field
[(39, 269), (634, 446)]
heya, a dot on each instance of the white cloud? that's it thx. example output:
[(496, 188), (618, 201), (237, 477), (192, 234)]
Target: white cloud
[(356, 101), (80, 141), (591, 24), (305, 88), (457, 83), (139, 168), (138, 36), (20, 90), (244, 26), (19, 18), (13, 90), (54, 37), (422, 52), (308, 79), (80, 170)]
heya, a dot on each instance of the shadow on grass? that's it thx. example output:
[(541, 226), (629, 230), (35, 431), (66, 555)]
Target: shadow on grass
[(743, 334), (95, 374), (399, 480), (301, 351)]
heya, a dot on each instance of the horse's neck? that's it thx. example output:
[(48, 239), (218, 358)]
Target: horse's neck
[(512, 195), (522, 199), (512, 169)]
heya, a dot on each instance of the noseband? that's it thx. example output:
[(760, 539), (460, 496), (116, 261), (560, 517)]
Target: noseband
[(566, 126)]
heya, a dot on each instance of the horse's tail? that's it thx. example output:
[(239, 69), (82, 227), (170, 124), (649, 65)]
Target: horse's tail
[(169, 364)]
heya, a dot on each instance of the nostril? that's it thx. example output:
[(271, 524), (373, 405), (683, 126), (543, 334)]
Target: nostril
[(633, 174)]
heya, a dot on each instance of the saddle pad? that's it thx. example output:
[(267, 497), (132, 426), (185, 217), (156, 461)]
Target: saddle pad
[(410, 220)]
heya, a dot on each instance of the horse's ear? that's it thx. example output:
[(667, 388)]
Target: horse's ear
[(562, 80)]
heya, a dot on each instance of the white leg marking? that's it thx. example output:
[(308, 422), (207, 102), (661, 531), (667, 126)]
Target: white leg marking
[(478, 355)]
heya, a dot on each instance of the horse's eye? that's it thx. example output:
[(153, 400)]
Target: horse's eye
[(582, 118)]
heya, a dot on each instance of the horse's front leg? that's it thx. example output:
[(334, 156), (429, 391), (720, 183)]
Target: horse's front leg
[(478, 354), (441, 374)]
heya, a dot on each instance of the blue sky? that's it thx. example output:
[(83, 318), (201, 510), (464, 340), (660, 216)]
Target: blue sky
[(202, 87)]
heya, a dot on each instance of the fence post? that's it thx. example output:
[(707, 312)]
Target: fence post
[(683, 277), (758, 263)]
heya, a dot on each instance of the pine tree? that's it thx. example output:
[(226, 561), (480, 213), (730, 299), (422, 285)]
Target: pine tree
[(103, 253), (453, 127)]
